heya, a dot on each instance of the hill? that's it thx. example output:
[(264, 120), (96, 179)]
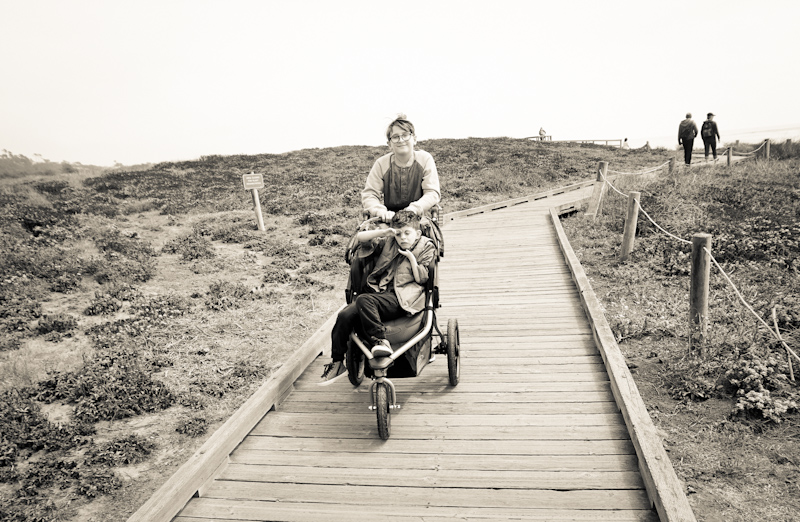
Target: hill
[(140, 307)]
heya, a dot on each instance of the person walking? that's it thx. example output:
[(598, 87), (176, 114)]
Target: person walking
[(687, 131), (710, 134)]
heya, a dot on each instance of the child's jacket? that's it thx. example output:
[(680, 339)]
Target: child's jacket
[(410, 294)]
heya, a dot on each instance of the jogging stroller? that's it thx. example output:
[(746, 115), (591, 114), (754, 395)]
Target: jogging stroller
[(414, 339)]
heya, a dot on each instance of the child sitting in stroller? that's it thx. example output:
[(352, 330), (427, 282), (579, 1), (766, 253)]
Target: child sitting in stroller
[(393, 288)]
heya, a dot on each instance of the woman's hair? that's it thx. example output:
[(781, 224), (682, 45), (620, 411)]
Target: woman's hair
[(401, 122)]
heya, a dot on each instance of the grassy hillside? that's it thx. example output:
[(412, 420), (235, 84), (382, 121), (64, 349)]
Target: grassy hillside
[(140, 307), (729, 420)]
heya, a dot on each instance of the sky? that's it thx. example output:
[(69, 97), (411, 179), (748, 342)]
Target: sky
[(144, 81)]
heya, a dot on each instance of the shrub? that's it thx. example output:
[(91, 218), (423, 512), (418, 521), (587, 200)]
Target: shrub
[(161, 307), (60, 323), (190, 247), (130, 449), (97, 482), (131, 246), (276, 275), (122, 270), (111, 299), (224, 295), (25, 427), (112, 385), (193, 427)]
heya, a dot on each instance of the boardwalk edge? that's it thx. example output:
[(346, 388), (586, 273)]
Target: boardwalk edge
[(192, 476), (663, 487)]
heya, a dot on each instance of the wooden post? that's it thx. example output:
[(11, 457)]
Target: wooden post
[(766, 149), (599, 189), (698, 294), (630, 225), (257, 206), (729, 153), (671, 165)]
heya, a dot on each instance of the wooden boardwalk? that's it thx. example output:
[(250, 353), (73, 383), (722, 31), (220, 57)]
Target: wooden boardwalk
[(532, 432)]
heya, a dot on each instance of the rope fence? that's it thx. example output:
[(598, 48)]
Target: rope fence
[(630, 225), (763, 144), (647, 171)]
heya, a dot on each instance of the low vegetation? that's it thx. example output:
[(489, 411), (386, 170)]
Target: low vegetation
[(140, 307), (730, 418)]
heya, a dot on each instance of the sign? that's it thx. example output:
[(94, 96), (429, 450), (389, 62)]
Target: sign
[(252, 181)]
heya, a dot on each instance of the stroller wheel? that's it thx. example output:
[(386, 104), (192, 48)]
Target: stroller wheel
[(355, 362), (382, 407), (453, 349)]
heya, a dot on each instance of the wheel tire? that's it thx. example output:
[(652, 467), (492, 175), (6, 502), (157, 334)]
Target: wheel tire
[(384, 415), (453, 348), (355, 362)]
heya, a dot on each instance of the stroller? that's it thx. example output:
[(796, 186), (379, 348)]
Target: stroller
[(414, 339)]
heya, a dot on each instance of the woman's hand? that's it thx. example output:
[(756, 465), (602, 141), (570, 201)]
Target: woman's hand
[(385, 215)]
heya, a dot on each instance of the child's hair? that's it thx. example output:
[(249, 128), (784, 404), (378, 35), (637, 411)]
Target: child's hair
[(401, 122), (405, 218)]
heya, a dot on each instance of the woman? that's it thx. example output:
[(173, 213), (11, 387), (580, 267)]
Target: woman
[(403, 179)]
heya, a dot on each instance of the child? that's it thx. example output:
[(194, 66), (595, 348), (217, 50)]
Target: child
[(394, 288)]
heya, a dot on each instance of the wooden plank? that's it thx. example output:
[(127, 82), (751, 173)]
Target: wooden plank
[(382, 496), (451, 420), (442, 478), (425, 386), (451, 397), (384, 461), (663, 486), (368, 429), (439, 377), (220, 510), (322, 406), (438, 447)]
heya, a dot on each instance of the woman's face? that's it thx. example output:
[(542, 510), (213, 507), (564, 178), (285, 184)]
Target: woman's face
[(401, 147)]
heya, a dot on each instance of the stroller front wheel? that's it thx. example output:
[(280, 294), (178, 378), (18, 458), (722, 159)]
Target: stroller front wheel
[(382, 408)]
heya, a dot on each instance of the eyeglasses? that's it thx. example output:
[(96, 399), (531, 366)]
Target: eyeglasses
[(400, 137)]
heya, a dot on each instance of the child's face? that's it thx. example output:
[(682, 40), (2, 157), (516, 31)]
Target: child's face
[(407, 236)]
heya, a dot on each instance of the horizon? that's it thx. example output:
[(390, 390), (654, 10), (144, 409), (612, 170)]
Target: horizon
[(98, 83), (754, 137)]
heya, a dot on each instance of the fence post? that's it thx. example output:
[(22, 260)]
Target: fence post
[(729, 153), (630, 225), (599, 190), (698, 294), (766, 151), (671, 165)]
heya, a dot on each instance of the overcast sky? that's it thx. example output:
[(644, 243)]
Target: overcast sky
[(159, 80)]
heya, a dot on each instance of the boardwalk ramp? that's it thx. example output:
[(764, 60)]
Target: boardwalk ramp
[(546, 423)]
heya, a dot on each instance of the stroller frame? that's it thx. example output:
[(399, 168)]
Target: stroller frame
[(383, 394)]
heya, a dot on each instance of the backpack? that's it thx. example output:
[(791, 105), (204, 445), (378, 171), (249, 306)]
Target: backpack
[(707, 130)]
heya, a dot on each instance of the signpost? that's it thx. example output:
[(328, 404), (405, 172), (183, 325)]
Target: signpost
[(253, 182)]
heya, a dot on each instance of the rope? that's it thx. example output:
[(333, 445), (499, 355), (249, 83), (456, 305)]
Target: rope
[(642, 172), (777, 336), (752, 152), (661, 229), (605, 180)]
